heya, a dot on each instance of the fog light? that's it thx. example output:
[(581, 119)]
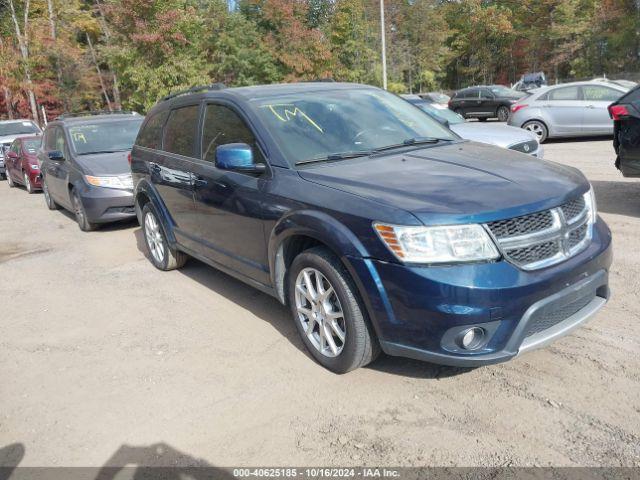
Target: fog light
[(472, 338)]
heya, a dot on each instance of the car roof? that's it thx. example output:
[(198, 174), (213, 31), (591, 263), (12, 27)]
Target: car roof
[(578, 84), (16, 120), (78, 119)]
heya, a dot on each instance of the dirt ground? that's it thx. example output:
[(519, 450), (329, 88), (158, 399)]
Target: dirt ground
[(106, 361)]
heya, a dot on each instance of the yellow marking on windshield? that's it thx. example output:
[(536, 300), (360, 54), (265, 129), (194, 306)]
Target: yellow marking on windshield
[(79, 137), (288, 114)]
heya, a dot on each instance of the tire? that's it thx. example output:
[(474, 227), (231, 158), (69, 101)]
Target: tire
[(10, 181), (51, 204), (503, 113), (359, 345), (27, 183), (161, 255), (80, 213), (538, 128)]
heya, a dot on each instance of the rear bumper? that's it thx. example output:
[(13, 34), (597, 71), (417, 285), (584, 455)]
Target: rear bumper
[(104, 205), (422, 312)]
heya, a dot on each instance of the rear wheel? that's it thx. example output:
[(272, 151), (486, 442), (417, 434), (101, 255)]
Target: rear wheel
[(539, 128), (81, 214), (160, 254), (327, 313), (503, 113), (27, 182), (51, 205)]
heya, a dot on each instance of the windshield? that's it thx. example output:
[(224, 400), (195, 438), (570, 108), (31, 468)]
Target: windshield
[(31, 145), (18, 128), (452, 117), (317, 125), (438, 97), (500, 91), (105, 137)]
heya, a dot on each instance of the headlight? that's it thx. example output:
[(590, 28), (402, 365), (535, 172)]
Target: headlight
[(590, 202), (121, 181), (450, 244)]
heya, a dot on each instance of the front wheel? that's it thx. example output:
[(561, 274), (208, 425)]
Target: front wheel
[(503, 114), (539, 128), (81, 214), (10, 180), (160, 254), (51, 204), (27, 183), (327, 313)]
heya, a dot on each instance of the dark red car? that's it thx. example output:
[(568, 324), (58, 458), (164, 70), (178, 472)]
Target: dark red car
[(22, 163)]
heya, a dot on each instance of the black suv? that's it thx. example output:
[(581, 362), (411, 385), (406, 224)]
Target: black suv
[(378, 226), (482, 102), (626, 132), (84, 165)]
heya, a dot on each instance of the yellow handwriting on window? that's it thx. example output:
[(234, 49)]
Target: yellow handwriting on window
[(294, 112)]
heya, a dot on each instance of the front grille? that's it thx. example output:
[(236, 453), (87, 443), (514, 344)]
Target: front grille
[(526, 224), (525, 147), (550, 317), (544, 238)]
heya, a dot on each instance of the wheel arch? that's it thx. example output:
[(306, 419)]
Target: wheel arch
[(301, 231), (146, 193)]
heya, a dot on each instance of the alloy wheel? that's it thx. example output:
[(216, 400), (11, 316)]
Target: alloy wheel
[(503, 114), (152, 233), (77, 209), (320, 313), (536, 128), (27, 182)]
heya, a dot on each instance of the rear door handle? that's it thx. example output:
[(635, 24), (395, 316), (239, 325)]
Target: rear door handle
[(591, 106)]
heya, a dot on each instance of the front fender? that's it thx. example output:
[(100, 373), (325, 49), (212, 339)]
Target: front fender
[(145, 188)]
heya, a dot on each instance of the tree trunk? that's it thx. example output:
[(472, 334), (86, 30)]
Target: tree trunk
[(24, 51), (54, 37), (95, 62), (107, 33)]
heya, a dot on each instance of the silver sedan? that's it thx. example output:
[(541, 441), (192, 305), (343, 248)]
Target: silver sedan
[(493, 133), (567, 110)]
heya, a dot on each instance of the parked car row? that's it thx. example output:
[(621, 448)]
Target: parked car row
[(378, 226)]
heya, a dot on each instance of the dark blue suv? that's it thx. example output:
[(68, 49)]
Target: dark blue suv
[(378, 226)]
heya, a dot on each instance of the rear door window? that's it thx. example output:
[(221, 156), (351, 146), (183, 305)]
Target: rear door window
[(564, 93), (180, 131), (151, 133)]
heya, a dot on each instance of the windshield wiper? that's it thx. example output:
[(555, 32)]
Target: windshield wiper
[(336, 156), (409, 142), (102, 151)]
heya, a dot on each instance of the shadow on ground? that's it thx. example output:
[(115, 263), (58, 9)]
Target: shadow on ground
[(272, 311), (147, 462), (619, 198)]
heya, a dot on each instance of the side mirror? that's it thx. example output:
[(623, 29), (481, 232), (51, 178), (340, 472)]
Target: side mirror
[(55, 155), (12, 155), (238, 157)]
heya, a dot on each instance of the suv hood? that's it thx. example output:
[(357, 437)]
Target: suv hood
[(459, 183), (495, 134), (115, 163)]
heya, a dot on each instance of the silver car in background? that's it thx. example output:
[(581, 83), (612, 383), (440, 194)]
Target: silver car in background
[(567, 110), (493, 133)]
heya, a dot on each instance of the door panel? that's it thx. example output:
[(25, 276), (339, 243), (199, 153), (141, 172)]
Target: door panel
[(564, 109), (231, 226), (596, 116), (170, 171), (57, 172)]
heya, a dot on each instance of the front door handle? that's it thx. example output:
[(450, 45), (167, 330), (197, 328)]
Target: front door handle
[(199, 181)]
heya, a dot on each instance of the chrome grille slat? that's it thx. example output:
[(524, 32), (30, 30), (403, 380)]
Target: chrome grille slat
[(544, 238)]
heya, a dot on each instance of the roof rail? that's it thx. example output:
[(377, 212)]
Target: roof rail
[(320, 80), (66, 115), (199, 88)]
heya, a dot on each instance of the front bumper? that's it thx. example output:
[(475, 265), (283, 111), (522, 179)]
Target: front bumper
[(421, 312), (104, 205)]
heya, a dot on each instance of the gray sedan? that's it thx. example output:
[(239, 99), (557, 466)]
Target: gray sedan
[(567, 110), (497, 134)]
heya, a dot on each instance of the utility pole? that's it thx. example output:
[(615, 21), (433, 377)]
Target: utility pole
[(384, 46)]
